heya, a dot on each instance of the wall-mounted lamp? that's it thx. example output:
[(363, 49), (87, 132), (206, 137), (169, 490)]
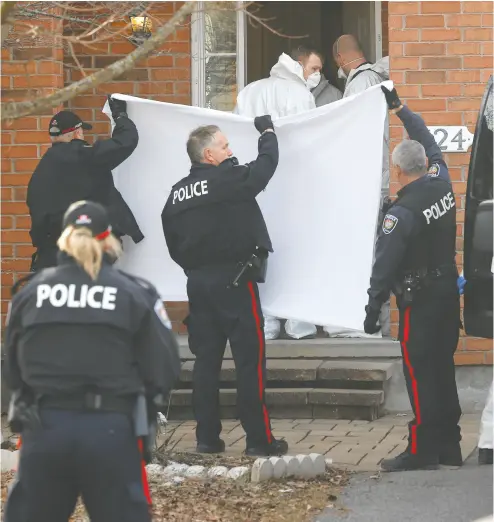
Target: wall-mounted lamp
[(142, 27)]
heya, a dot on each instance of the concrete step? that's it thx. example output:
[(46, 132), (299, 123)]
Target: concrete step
[(308, 370), (320, 348), (294, 403), (316, 378)]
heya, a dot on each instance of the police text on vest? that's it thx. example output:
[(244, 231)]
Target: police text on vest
[(440, 207), (194, 189), (73, 297)]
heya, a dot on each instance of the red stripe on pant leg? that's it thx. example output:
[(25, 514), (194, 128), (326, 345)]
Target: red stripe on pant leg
[(260, 337), (415, 389), (144, 476)]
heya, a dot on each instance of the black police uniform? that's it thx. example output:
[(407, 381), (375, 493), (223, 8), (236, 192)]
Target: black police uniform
[(83, 350), (75, 171), (212, 223), (415, 258)]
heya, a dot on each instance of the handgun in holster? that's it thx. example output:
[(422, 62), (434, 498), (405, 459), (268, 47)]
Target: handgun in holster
[(23, 412), (146, 425), (411, 285), (254, 268)]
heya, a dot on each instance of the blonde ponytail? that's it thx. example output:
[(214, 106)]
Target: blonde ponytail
[(88, 251)]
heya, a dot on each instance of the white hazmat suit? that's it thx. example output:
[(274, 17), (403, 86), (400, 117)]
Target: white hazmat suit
[(487, 423)]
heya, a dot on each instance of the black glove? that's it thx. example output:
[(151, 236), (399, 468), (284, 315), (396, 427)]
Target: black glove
[(370, 323), (117, 107), (263, 123), (391, 98)]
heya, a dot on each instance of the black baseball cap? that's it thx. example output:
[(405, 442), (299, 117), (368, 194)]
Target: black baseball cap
[(90, 215), (66, 121)]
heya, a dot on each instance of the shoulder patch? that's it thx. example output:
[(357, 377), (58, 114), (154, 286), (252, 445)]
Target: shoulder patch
[(389, 223), (434, 170), (160, 310)]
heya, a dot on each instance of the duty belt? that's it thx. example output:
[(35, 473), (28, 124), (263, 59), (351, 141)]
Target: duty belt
[(432, 273), (89, 402)]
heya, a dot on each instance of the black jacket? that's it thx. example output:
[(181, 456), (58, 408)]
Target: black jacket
[(105, 336), (418, 232), (73, 171), (212, 215)]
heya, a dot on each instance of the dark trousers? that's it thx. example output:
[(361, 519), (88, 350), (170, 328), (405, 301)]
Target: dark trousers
[(429, 332), (218, 314), (94, 455)]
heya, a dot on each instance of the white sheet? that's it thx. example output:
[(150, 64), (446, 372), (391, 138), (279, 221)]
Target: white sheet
[(321, 206)]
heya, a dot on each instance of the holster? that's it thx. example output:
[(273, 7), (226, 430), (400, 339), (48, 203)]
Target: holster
[(407, 289), (23, 412), (254, 269), (146, 425)]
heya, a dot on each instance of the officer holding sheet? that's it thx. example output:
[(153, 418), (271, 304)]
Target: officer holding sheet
[(216, 232), (415, 258)]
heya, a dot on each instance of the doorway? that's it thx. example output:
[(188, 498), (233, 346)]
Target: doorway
[(316, 23)]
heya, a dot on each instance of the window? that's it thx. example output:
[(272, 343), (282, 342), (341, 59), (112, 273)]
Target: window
[(218, 60)]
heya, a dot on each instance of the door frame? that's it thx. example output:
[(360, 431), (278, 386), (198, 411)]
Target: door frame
[(198, 48), (198, 52), (378, 29)]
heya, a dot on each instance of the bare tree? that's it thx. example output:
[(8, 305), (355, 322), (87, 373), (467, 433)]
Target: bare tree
[(91, 22), (13, 110)]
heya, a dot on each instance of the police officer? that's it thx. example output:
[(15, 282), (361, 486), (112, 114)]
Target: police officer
[(84, 343), (415, 258), (72, 170), (216, 232)]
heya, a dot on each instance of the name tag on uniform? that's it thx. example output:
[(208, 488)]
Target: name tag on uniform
[(71, 296), (440, 207), (199, 188)]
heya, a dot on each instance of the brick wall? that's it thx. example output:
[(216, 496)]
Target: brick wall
[(38, 68), (26, 72), (440, 59)]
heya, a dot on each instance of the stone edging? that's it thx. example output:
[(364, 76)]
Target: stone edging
[(9, 460), (299, 466)]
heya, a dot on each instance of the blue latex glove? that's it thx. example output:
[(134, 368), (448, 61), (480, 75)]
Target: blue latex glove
[(461, 284)]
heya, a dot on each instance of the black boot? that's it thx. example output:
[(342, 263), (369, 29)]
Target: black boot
[(485, 456), (408, 462), (276, 449), (450, 455), (216, 447)]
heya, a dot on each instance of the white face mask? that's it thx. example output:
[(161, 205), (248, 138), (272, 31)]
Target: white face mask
[(342, 74), (313, 80)]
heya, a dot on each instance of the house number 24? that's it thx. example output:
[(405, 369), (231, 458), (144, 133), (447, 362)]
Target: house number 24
[(452, 138)]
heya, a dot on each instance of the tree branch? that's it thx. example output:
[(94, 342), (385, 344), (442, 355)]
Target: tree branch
[(14, 110)]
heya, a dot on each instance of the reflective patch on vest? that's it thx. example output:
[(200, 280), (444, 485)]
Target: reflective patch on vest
[(160, 310), (197, 189), (75, 296), (434, 170), (389, 223), (441, 207)]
